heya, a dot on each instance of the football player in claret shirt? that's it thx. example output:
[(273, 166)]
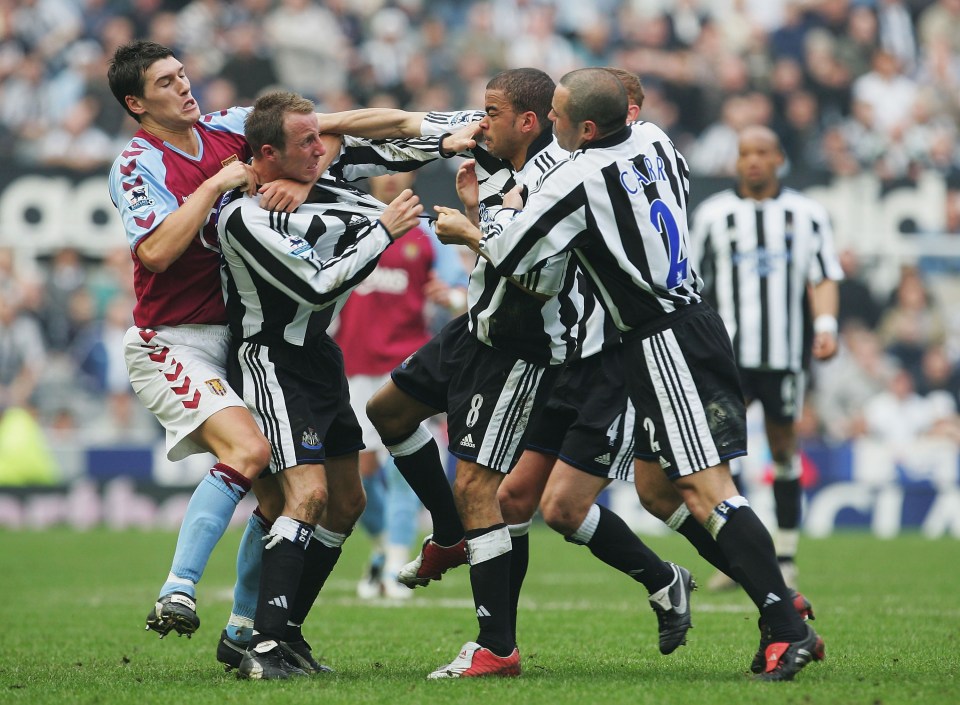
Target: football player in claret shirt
[(165, 185)]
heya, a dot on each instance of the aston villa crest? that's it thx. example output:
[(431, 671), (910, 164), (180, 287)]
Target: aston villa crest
[(217, 387)]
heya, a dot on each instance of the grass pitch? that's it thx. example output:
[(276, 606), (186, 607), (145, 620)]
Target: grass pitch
[(73, 605)]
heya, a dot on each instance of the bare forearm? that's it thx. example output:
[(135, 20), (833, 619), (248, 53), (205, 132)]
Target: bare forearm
[(825, 302), (164, 245), (825, 299), (372, 123), (172, 237)]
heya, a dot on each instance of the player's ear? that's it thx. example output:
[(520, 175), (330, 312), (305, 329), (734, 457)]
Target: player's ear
[(268, 151), (529, 121), (134, 105), (589, 131)]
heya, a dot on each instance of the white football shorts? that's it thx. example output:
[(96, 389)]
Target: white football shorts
[(179, 374)]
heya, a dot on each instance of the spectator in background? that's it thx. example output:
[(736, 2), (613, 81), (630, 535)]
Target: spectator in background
[(22, 356), (939, 373), (309, 50), (886, 95), (46, 27), (715, 151), (855, 49), (248, 67), (25, 109), (67, 275), (900, 415), (896, 31), (859, 372), (801, 131), (826, 76), (912, 323), (76, 143), (390, 49), (857, 302), (940, 20)]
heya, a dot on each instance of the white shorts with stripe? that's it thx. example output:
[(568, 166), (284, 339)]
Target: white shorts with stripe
[(179, 374), (684, 384)]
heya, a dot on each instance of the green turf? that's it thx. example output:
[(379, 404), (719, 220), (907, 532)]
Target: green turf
[(72, 606)]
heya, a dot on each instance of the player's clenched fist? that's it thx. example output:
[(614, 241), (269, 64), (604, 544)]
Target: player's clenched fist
[(402, 213), (236, 174)]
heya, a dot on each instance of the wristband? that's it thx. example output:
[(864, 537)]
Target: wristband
[(444, 153), (389, 234), (825, 324)]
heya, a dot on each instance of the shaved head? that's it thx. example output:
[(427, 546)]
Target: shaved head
[(760, 134)]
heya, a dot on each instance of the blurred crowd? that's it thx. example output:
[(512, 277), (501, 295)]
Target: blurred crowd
[(851, 86)]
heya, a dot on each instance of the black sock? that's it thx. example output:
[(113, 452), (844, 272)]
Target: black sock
[(614, 543), (519, 560), (280, 573), (423, 471), (318, 562), (701, 540), (748, 546), (490, 581), (787, 497)]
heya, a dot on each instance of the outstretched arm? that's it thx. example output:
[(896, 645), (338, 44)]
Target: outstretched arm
[(373, 123)]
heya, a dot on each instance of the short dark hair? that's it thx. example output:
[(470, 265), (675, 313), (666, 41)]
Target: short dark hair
[(598, 96), (264, 124), (128, 67), (527, 90), (631, 82)]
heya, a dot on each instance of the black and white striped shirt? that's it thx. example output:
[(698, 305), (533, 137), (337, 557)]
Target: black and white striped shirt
[(756, 259), (619, 205), (288, 274), (501, 314)]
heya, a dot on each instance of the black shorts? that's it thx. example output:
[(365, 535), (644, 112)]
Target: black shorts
[(489, 395), (684, 384), (588, 421), (780, 392), (299, 398)]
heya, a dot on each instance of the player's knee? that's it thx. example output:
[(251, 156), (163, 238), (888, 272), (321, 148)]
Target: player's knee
[(563, 517), (658, 505), (352, 507), (253, 455), (515, 507), (311, 503), (386, 419), (269, 497)]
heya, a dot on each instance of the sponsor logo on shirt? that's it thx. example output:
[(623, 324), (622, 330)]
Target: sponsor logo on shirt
[(461, 118), (138, 198), (298, 246), (229, 160)]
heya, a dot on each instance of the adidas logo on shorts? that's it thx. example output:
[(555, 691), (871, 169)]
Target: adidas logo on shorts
[(603, 459), (467, 441)]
